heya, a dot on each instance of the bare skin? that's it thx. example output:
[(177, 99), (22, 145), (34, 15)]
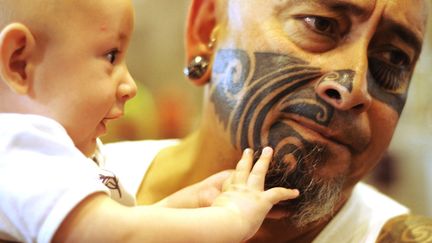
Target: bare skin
[(323, 82)]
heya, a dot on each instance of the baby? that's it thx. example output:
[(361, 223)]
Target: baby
[(63, 78)]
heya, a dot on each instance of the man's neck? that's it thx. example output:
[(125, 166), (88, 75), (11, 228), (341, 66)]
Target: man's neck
[(176, 167)]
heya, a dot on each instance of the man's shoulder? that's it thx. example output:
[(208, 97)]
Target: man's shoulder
[(407, 228)]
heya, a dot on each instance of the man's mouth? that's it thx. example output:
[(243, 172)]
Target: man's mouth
[(318, 133)]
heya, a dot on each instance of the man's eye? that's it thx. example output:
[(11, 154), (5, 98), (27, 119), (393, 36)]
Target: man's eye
[(112, 55), (322, 25), (396, 58), (390, 70)]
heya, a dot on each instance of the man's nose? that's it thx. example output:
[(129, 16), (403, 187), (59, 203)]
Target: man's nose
[(127, 88), (345, 90)]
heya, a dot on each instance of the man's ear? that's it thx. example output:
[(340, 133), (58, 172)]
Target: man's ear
[(16, 46), (201, 22)]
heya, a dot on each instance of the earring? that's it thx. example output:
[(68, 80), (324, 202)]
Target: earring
[(199, 64), (196, 68)]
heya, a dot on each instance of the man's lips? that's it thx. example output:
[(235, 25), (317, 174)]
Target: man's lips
[(320, 132)]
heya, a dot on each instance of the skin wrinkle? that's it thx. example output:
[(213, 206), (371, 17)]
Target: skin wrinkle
[(333, 5), (407, 36), (280, 80), (306, 103)]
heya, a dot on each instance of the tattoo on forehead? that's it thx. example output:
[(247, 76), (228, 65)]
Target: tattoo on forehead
[(246, 92), (407, 228)]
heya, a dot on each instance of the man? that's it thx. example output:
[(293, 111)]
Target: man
[(322, 82)]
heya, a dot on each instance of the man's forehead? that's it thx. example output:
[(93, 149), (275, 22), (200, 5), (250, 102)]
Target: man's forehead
[(358, 7), (405, 18)]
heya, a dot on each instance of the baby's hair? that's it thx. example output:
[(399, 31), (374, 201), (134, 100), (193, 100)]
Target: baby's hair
[(8, 12), (29, 12)]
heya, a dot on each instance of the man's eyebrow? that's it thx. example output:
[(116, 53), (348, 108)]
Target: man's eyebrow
[(405, 34), (344, 6)]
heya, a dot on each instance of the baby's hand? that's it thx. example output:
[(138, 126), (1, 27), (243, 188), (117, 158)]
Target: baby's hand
[(243, 192)]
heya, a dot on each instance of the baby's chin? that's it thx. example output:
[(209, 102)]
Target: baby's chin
[(88, 149)]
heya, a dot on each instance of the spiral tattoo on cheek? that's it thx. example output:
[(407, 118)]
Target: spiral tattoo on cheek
[(274, 78)]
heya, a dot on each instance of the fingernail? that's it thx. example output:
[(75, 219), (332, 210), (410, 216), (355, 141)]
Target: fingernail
[(267, 151), (247, 151)]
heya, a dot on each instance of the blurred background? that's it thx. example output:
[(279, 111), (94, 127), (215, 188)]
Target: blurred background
[(168, 106)]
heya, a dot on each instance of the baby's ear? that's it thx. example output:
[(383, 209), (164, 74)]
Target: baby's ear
[(16, 46)]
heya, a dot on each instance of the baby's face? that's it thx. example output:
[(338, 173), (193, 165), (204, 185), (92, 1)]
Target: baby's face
[(82, 77)]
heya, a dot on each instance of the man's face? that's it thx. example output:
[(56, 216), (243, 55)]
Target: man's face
[(82, 77), (322, 82)]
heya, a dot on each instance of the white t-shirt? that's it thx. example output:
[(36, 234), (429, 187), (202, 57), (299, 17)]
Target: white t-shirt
[(359, 221), (43, 177), (131, 159), (362, 217)]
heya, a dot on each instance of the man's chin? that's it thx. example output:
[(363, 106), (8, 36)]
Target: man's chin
[(316, 203)]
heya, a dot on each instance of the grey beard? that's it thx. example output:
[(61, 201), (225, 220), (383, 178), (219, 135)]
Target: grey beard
[(318, 197), (319, 201)]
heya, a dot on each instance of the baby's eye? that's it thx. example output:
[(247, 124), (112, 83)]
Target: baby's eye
[(111, 56)]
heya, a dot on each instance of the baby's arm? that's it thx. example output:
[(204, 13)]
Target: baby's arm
[(200, 194), (234, 216)]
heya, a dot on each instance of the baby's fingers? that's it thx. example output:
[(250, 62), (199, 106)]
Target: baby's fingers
[(243, 167), (259, 171), (277, 194)]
